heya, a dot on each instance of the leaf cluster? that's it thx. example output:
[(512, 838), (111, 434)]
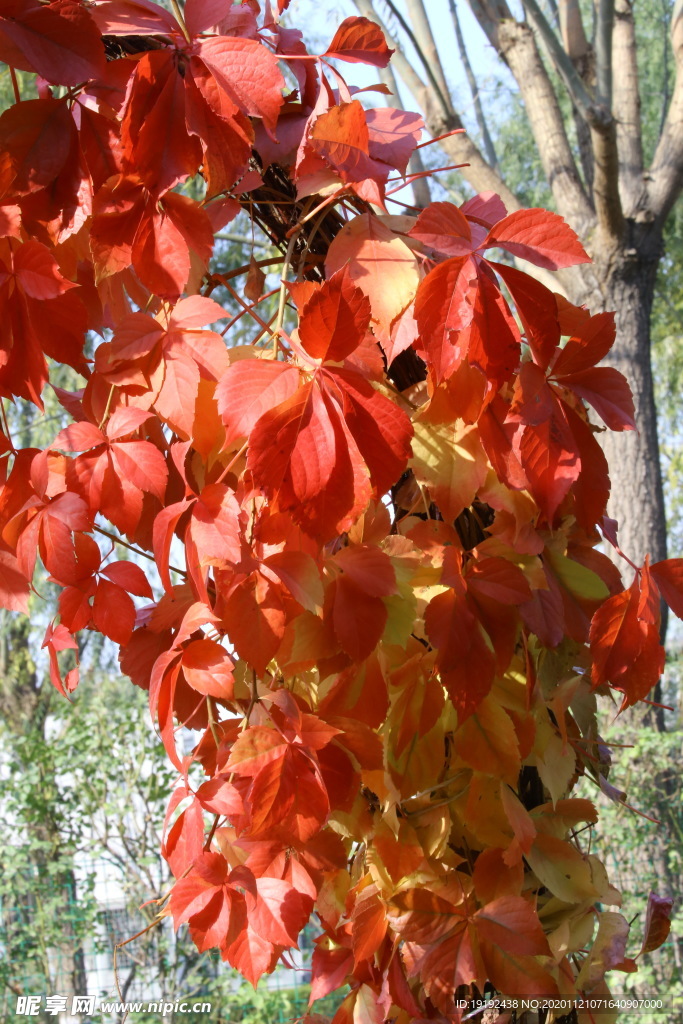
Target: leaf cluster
[(376, 595)]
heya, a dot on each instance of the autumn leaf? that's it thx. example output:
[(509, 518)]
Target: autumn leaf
[(359, 40)]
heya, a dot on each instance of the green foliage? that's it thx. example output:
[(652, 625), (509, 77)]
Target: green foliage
[(649, 771), (244, 1005), (667, 331)]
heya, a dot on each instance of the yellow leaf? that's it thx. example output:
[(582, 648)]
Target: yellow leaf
[(448, 458), (555, 760), (608, 949), (487, 742), (562, 868), (578, 580)]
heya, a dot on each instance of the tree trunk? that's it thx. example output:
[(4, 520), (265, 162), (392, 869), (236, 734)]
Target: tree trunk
[(623, 280), (627, 283)]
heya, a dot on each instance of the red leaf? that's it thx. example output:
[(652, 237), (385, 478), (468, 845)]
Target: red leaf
[(591, 490), (335, 319), (539, 236), (36, 137), (444, 305), (168, 233), (380, 429), (511, 923), (365, 246), (215, 526), (657, 922), (498, 579), (113, 612), (443, 228), (123, 421), (255, 620), (142, 464), (186, 836), (608, 391), (292, 452), (279, 912), (250, 388), (300, 575), (175, 402), (254, 749), (38, 273), (625, 648), (128, 17), (537, 309), (466, 661), (393, 135), (247, 72), (359, 40), (159, 147), (201, 15), (251, 955), (208, 669), (329, 968), (194, 311), (487, 208), (533, 399), (369, 924), (369, 568), (128, 576), (78, 437), (14, 587), (164, 526), (551, 460), (358, 618), (216, 911), (61, 41), (340, 136), (494, 340), (591, 343), (669, 578)]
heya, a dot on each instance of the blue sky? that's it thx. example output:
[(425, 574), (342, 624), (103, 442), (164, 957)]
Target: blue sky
[(319, 18)]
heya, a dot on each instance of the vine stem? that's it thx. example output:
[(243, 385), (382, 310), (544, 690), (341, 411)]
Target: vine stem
[(249, 309), (6, 424), (243, 312), (283, 293), (232, 463), (15, 84), (131, 547), (212, 723), (107, 407), (295, 232), (180, 19)]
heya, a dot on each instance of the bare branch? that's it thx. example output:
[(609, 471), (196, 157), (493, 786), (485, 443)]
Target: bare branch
[(519, 49), (490, 19), (606, 182), (459, 148), (603, 52), (425, 36), (563, 65), (442, 97), (626, 107), (666, 172), (399, 59), (606, 196), (489, 148), (572, 30)]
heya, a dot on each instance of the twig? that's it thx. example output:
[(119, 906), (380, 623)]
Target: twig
[(131, 547)]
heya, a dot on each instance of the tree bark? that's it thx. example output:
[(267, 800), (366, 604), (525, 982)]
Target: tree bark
[(625, 279)]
